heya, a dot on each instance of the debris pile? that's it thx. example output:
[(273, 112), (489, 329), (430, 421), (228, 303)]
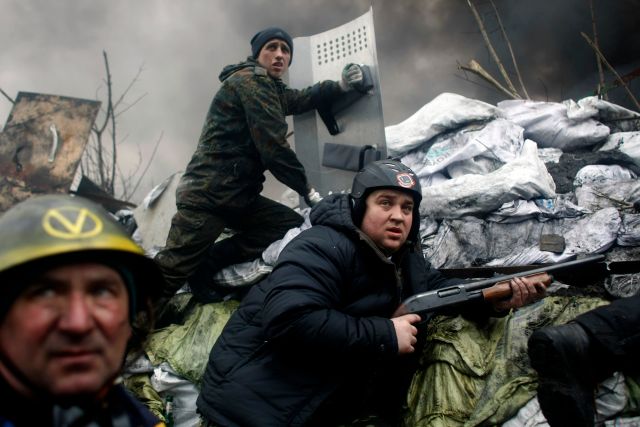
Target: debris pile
[(519, 183)]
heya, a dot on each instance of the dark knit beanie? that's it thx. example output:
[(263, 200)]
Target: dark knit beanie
[(262, 37)]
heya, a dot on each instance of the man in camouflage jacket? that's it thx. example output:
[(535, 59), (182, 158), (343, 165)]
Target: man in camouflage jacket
[(244, 134)]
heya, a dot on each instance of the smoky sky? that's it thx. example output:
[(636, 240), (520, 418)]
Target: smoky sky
[(178, 49)]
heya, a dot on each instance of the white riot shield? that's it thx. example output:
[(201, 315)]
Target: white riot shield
[(332, 151)]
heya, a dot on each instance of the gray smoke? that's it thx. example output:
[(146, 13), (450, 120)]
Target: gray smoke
[(56, 47)]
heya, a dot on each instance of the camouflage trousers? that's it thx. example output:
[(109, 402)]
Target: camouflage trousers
[(190, 254)]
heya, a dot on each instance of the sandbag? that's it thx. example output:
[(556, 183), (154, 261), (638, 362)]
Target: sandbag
[(542, 209), (445, 112), (524, 178), (600, 174), (629, 233), (626, 142), (553, 124), (564, 172), (620, 195), (479, 375), (616, 117), (592, 234), (499, 140), (186, 347)]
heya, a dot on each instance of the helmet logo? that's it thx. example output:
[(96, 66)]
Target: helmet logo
[(405, 180), (71, 223)]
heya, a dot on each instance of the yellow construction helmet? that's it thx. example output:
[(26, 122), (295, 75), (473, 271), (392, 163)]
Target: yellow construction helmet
[(55, 229)]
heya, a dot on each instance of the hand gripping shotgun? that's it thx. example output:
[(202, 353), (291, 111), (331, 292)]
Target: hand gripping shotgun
[(488, 289)]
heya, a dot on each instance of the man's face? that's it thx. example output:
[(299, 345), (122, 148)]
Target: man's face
[(68, 330), (387, 218), (275, 56)]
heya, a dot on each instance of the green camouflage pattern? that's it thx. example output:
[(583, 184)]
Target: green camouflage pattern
[(245, 134), (479, 375)]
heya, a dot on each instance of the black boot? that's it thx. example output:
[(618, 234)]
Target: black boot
[(562, 356)]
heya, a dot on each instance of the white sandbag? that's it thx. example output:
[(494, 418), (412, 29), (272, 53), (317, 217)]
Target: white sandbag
[(479, 165), (600, 174), (542, 209), (614, 116), (271, 254), (629, 233), (445, 112), (242, 274), (549, 124), (621, 195), (627, 142), (498, 139), (530, 415), (183, 395), (590, 235), (433, 179), (524, 178)]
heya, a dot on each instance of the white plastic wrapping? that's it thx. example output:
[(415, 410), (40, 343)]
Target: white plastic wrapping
[(621, 195), (445, 112), (600, 174), (542, 209), (183, 392), (498, 139), (627, 142), (524, 178), (553, 124), (629, 234), (589, 235)]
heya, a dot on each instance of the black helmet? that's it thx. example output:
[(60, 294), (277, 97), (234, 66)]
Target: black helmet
[(51, 230), (385, 174)]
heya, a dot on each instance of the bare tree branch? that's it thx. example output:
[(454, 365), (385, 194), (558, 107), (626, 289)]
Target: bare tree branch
[(131, 105), (477, 69), (601, 85), (512, 90), (604, 60), (144, 172), (508, 43), (7, 96), (129, 86)]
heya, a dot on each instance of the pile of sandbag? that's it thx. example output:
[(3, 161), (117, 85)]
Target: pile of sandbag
[(496, 178)]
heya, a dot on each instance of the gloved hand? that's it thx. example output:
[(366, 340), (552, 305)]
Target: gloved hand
[(351, 77), (313, 198)]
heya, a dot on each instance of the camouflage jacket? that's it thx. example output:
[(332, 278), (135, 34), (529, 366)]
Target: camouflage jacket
[(244, 134)]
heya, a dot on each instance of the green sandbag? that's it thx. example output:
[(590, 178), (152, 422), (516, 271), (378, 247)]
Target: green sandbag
[(479, 375), (186, 346)]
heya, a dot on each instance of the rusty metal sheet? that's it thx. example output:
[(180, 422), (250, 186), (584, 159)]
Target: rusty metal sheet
[(42, 144)]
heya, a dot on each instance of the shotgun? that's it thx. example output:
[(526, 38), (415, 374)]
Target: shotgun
[(488, 289)]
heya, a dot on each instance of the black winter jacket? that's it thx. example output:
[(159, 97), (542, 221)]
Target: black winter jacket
[(321, 318)]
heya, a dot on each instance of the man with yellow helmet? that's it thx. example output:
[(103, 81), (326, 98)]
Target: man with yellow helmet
[(75, 291)]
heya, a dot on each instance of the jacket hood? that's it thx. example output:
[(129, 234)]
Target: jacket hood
[(230, 69), (334, 211)]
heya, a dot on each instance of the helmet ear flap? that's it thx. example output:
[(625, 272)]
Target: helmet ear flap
[(358, 206)]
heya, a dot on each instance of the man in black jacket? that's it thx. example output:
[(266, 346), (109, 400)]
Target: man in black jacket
[(312, 344)]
